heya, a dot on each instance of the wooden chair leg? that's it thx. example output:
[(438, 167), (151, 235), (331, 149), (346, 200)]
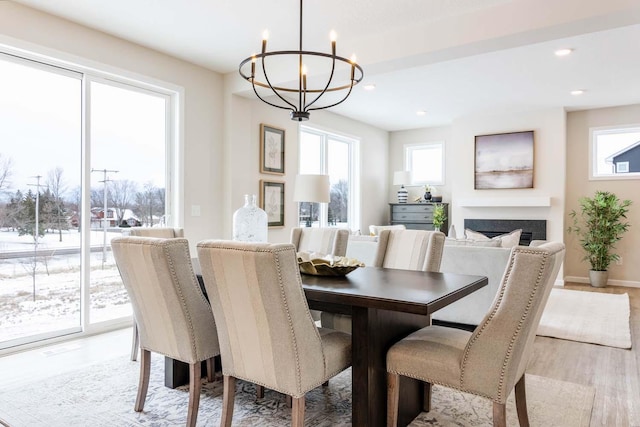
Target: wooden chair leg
[(259, 391), (521, 403), (426, 403), (211, 370), (289, 401), (143, 384), (195, 385), (228, 398), (499, 415), (135, 342), (393, 398), (297, 412)]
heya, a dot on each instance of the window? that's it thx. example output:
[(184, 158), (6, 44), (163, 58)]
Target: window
[(337, 156), (425, 161), (615, 152), (85, 156)]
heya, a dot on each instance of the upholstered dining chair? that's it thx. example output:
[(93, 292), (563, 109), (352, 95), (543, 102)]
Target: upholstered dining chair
[(491, 360), (410, 250), (162, 232), (401, 249), (173, 315), (267, 335), (323, 240)]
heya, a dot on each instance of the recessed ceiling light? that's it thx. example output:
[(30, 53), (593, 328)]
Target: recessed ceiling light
[(421, 113), (577, 92), (369, 86), (563, 52)]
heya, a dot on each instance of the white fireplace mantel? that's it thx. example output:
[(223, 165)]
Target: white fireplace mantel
[(499, 202)]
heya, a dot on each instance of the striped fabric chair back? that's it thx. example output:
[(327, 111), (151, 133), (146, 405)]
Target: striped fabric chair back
[(410, 250), (328, 241), (267, 335)]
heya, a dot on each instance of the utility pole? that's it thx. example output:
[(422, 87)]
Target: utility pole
[(104, 215), (36, 232)]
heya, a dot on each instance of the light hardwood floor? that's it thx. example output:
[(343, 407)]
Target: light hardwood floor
[(613, 372)]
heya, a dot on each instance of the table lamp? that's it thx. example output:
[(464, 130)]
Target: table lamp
[(311, 189), (401, 178)]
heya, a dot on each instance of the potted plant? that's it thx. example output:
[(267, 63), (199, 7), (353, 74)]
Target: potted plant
[(600, 224), (439, 216)]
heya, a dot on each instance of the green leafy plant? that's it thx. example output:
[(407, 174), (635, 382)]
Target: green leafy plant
[(439, 216), (600, 224)]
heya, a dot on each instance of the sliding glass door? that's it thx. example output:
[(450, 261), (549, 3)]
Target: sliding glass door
[(83, 159), (40, 153)]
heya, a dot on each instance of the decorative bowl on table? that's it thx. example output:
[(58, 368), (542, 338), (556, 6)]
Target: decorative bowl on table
[(338, 266)]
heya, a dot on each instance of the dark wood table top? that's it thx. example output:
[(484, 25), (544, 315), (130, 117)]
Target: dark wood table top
[(416, 292)]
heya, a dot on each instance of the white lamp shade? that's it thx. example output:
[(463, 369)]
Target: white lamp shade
[(311, 188), (402, 178)]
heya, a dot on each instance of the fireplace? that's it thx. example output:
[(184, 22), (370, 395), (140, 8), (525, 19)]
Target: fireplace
[(532, 229)]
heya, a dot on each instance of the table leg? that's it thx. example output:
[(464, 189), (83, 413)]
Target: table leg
[(176, 373), (374, 332)]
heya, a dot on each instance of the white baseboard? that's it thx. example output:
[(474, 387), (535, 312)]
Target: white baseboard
[(611, 282)]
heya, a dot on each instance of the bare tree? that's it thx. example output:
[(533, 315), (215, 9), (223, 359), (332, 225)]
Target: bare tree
[(338, 206), (57, 188), (122, 194), (97, 197), (145, 203), (76, 200), (6, 164)]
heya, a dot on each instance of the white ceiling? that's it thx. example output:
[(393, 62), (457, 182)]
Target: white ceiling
[(451, 58)]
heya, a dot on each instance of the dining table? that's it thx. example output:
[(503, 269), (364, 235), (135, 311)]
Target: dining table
[(385, 306)]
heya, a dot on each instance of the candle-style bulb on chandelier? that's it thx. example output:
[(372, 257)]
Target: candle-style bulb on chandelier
[(308, 97)]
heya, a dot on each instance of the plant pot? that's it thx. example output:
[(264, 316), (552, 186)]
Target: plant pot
[(598, 279)]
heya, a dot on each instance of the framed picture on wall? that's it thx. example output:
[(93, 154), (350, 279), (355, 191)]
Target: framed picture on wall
[(504, 160), (271, 150), (272, 202)]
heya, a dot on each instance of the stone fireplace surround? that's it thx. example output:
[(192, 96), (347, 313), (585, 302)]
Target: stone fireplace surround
[(532, 229)]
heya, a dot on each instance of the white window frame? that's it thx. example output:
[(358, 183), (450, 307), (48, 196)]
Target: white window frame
[(42, 57), (408, 155), (353, 216), (608, 130)]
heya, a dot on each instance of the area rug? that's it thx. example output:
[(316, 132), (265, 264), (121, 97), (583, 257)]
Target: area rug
[(590, 317), (103, 395)]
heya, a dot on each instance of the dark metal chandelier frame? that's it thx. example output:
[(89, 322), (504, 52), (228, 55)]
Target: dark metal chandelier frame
[(301, 111)]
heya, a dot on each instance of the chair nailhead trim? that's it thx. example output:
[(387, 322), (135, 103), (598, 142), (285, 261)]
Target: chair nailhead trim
[(507, 358)]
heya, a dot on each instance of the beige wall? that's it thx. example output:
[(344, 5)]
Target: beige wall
[(578, 185), (202, 122)]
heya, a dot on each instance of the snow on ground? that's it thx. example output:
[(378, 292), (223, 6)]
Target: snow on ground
[(57, 286)]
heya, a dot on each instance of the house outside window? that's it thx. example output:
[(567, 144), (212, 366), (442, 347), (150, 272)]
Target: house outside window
[(615, 152), (322, 152)]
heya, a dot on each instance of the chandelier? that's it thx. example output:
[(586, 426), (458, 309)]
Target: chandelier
[(307, 97)]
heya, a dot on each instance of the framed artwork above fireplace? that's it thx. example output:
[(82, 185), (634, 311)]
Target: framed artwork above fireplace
[(504, 160)]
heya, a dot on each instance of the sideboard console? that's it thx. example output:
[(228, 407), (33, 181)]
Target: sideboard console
[(417, 216)]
